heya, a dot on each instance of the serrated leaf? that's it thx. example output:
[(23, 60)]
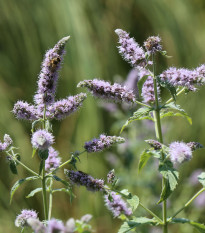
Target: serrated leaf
[(125, 228), (60, 180), (181, 112), (126, 193), (19, 183), (141, 82), (140, 114), (166, 192), (201, 178), (199, 226), (168, 86), (33, 192), (133, 202), (13, 168), (144, 157)]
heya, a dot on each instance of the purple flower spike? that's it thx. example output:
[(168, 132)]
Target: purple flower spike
[(148, 87), (81, 178), (25, 111), (63, 108), (21, 219), (105, 90), (53, 160), (42, 139), (49, 74), (102, 143), (55, 226), (7, 142), (130, 50), (117, 205), (179, 152), (184, 77), (153, 44)]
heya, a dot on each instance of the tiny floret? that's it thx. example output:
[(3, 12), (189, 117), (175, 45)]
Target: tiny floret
[(130, 49), (153, 44), (36, 225), (117, 205), (81, 178), (55, 226), (42, 139), (104, 142), (111, 176), (195, 145), (105, 90), (21, 219), (179, 152), (7, 142), (155, 144)]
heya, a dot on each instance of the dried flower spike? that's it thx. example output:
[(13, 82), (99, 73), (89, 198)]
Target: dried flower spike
[(117, 205), (130, 50), (102, 143), (105, 90), (81, 178)]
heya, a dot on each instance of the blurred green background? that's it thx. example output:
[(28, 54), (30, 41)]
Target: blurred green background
[(29, 27)]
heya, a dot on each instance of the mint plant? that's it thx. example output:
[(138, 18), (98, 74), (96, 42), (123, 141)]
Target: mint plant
[(150, 105)]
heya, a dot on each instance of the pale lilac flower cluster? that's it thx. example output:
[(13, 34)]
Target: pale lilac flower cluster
[(45, 95), (179, 152), (130, 49), (117, 205), (42, 139), (36, 225), (6, 143), (21, 219), (63, 108), (81, 178), (184, 77), (24, 111), (105, 90), (148, 87), (104, 142), (53, 161), (49, 74), (153, 44), (55, 226)]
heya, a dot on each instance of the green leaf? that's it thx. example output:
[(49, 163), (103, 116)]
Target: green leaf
[(33, 192), (18, 183), (43, 154), (201, 178), (168, 86), (61, 180), (125, 228), (133, 202), (34, 152), (13, 168), (166, 192), (199, 226), (140, 114), (178, 114), (144, 157), (141, 83), (175, 107)]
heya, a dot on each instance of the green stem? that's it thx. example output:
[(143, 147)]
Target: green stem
[(158, 132), (150, 212), (50, 199), (44, 192), (178, 93), (140, 103), (188, 202)]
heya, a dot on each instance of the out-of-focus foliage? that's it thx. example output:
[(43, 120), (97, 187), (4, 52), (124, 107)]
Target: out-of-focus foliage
[(28, 28)]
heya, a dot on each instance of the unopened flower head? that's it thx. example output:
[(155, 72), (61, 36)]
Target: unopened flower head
[(105, 90), (55, 226), (81, 178), (24, 111), (148, 87), (21, 219), (48, 76), (63, 108), (6, 143), (194, 145), (111, 176), (184, 77), (117, 205), (130, 49), (42, 139), (155, 144), (53, 161), (153, 44), (102, 143), (179, 152)]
